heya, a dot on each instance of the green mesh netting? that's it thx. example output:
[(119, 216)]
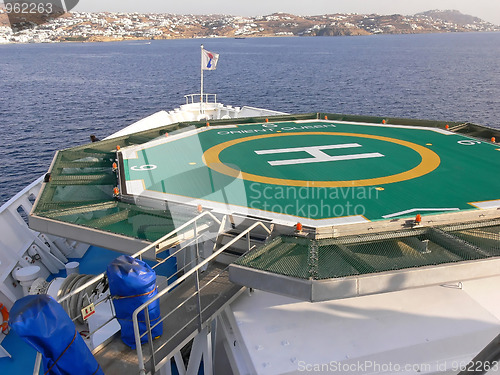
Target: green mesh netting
[(334, 258)]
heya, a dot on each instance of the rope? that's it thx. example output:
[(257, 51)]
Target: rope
[(64, 351), (97, 369), (137, 295)]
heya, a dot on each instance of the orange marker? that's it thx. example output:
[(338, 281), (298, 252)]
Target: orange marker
[(117, 147), (298, 227), (493, 139), (418, 219)]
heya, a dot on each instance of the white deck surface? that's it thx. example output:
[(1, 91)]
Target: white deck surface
[(427, 330)]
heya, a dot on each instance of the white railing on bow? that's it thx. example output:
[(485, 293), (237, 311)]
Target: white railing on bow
[(196, 98)]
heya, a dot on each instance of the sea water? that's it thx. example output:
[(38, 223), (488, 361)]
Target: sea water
[(55, 95)]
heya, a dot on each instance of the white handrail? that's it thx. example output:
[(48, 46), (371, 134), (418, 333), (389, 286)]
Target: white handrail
[(186, 224), (138, 254), (190, 98), (142, 369)]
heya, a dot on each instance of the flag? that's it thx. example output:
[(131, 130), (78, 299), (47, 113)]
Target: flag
[(208, 60)]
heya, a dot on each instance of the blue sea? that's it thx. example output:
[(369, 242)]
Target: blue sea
[(55, 95)]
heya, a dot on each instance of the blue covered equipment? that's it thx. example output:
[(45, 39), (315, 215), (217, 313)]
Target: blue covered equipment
[(41, 322), (131, 283)]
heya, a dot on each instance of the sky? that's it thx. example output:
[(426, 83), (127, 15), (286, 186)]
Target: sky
[(488, 10)]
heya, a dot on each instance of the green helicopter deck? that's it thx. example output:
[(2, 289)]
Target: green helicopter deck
[(320, 172)]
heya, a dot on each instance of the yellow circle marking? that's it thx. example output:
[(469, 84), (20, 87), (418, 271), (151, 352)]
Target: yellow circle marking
[(430, 161)]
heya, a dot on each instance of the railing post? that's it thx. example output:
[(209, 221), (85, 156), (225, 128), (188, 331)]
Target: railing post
[(197, 243), (248, 241), (137, 334), (198, 298), (38, 362), (197, 276), (150, 339)]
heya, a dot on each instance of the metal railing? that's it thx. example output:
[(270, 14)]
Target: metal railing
[(196, 294), (139, 254), (157, 245), (196, 98)]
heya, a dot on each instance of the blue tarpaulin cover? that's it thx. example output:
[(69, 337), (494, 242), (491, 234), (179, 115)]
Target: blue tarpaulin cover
[(42, 322), (133, 282)]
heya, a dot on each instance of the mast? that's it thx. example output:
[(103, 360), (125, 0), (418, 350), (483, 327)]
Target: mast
[(201, 91)]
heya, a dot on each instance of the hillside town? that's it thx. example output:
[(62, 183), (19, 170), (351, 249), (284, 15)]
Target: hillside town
[(95, 27)]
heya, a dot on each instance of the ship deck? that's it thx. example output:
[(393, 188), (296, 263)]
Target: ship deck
[(335, 174), (301, 168)]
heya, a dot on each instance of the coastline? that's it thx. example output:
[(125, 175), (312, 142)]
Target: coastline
[(114, 27), (146, 40)]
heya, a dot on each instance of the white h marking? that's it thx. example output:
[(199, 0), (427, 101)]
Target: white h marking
[(318, 156)]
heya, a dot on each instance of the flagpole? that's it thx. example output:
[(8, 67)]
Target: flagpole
[(201, 91)]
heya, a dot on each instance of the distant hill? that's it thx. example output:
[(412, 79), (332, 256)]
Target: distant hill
[(106, 26), (4, 20), (453, 16)]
